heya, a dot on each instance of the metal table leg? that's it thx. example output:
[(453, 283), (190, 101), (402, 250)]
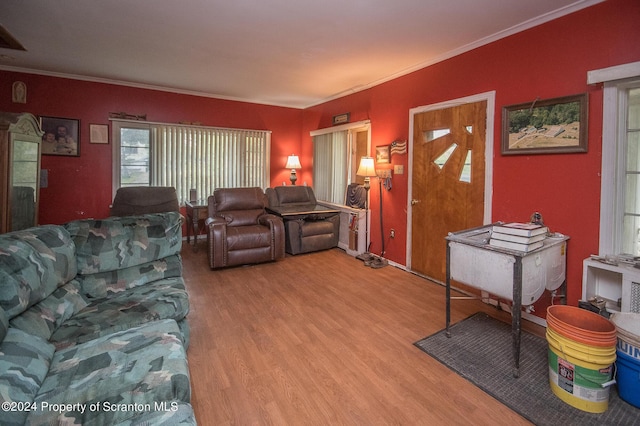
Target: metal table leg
[(448, 291), (516, 313)]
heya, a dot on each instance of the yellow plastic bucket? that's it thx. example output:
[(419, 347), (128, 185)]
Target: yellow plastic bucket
[(580, 373)]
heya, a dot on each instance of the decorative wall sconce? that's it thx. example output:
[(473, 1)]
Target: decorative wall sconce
[(293, 163), (19, 92)]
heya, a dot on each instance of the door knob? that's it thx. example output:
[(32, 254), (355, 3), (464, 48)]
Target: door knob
[(414, 202)]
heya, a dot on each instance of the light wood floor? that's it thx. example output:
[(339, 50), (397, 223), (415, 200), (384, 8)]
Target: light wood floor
[(320, 339)]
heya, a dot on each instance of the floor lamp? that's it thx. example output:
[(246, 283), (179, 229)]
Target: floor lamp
[(367, 170)]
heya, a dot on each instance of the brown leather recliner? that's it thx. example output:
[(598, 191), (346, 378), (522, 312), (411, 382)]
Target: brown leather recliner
[(239, 229), (308, 231)]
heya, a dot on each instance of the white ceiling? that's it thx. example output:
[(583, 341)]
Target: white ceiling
[(295, 53)]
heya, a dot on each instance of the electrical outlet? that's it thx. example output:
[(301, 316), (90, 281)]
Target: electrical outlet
[(392, 233)]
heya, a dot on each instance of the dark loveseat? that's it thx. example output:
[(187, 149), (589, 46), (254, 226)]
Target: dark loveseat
[(309, 226)]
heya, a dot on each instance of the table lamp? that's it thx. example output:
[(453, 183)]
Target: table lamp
[(293, 163)]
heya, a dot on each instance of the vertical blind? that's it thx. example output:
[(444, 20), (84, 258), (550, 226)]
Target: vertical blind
[(331, 166), (206, 158)]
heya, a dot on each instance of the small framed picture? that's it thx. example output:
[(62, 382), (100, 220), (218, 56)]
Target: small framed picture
[(98, 133), (61, 136), (383, 154)]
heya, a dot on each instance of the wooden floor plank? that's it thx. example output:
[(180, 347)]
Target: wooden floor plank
[(321, 339)]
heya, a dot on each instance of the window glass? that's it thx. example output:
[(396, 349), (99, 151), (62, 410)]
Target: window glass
[(631, 215), (336, 155), (189, 157), (134, 157)]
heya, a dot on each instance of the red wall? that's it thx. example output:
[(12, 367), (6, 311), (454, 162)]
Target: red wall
[(550, 60), (80, 187), (547, 61)]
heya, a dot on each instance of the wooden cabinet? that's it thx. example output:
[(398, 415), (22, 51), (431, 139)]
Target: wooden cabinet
[(20, 138)]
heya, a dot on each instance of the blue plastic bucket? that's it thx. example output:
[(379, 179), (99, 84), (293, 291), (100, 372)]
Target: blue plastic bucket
[(628, 378)]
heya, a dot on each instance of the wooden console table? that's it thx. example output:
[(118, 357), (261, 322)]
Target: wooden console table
[(197, 213)]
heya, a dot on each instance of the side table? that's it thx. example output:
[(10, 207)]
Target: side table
[(197, 212)]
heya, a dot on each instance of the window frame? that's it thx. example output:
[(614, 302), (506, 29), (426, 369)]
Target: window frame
[(116, 126), (614, 154), (226, 134), (352, 164)]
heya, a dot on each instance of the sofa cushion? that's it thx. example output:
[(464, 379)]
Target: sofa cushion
[(122, 242), (163, 299), (109, 283), (33, 263), (139, 367), (24, 364), (45, 317)]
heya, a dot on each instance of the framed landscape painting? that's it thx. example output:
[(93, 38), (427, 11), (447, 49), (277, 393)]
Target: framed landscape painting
[(547, 126)]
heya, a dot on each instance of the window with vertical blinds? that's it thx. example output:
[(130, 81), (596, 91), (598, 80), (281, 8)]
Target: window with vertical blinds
[(330, 166), (336, 155), (190, 157)]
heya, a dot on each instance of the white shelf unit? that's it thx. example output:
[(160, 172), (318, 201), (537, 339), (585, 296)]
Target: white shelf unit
[(618, 285), (346, 238)]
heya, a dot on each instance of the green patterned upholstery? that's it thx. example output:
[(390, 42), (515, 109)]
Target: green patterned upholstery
[(110, 283), (44, 318), (33, 263), (122, 242), (24, 363), (94, 312), (164, 299), (143, 365), (4, 324)]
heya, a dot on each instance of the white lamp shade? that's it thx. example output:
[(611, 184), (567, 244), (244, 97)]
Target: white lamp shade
[(293, 162), (367, 167)]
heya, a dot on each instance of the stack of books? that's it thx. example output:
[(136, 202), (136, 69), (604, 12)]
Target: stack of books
[(523, 237)]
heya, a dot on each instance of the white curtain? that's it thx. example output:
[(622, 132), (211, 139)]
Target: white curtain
[(206, 158), (331, 166)]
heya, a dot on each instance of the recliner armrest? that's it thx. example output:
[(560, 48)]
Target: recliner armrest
[(216, 241), (276, 225)]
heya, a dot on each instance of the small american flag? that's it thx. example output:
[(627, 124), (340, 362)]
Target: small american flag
[(398, 147)]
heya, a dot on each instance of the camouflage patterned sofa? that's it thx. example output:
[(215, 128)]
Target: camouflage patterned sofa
[(93, 324)]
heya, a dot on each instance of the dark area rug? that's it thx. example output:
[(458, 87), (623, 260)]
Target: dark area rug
[(479, 350)]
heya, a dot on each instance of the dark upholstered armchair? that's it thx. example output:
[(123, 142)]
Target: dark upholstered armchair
[(239, 229), (135, 200), (308, 225)]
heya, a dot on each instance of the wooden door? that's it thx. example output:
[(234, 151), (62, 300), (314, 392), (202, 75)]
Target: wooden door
[(448, 181)]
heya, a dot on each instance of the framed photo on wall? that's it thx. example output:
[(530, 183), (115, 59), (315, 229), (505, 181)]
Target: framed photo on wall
[(98, 133), (547, 126), (61, 136), (383, 154)]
